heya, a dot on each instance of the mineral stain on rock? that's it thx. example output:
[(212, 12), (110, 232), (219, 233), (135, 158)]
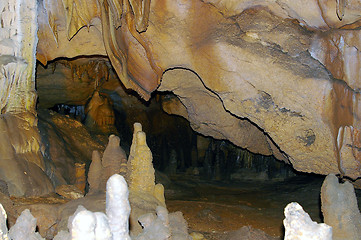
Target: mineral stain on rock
[(342, 112), (308, 137)]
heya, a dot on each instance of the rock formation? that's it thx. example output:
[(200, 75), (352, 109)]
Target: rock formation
[(100, 114), (265, 75), (339, 208), (112, 163), (84, 224), (24, 227), (299, 226), (141, 177), (95, 173), (112, 158), (118, 208), (3, 225), (140, 171), (80, 178), (137, 127)]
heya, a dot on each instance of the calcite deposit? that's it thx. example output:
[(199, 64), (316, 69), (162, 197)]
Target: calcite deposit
[(299, 226), (339, 208), (277, 78), (273, 77), (141, 177), (100, 114), (101, 169)]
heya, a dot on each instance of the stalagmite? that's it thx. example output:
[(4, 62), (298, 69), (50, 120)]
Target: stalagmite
[(3, 225), (159, 193), (95, 173), (137, 128), (299, 226), (340, 210), (142, 176), (83, 226), (155, 227), (163, 226), (24, 227), (86, 225), (102, 229), (114, 161), (112, 158), (117, 207), (113, 225)]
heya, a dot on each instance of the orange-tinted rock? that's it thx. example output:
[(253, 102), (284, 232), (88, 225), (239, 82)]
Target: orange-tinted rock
[(250, 78)]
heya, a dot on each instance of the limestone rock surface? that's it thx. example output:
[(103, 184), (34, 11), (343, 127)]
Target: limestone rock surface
[(274, 71)]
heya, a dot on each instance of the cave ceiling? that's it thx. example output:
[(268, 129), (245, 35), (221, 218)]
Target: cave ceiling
[(275, 77)]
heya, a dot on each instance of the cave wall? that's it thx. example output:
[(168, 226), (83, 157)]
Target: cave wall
[(265, 66), (273, 77)]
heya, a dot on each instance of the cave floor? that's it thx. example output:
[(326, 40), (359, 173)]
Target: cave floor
[(213, 208), (219, 209)]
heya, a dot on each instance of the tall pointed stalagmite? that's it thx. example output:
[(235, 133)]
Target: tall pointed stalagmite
[(137, 128), (142, 178), (95, 173)]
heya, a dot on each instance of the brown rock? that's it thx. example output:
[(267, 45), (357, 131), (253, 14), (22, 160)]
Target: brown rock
[(69, 191), (95, 173), (112, 158), (253, 78)]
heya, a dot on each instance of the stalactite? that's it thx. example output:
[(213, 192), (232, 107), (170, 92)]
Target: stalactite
[(117, 49), (340, 9)]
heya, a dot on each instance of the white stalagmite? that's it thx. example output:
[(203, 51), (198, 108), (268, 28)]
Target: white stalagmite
[(102, 229), (87, 225), (299, 226), (114, 225), (83, 226), (3, 227), (117, 207), (24, 227)]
